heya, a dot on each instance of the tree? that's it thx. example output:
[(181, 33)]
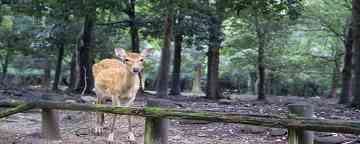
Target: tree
[(333, 18), (85, 62), (163, 73), (347, 69), (261, 32), (135, 42), (356, 46), (215, 39), (178, 40)]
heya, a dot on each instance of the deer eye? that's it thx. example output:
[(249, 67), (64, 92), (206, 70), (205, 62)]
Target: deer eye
[(126, 60), (141, 60)]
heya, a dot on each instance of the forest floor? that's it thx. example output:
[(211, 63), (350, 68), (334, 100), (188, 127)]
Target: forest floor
[(76, 127)]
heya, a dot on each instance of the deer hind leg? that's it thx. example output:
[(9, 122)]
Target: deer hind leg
[(99, 127)]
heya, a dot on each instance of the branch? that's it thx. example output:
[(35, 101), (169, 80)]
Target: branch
[(322, 125), (21, 107), (121, 23)]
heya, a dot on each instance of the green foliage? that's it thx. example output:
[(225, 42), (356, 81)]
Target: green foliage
[(303, 38)]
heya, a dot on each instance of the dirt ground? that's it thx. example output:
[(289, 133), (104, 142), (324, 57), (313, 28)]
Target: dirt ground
[(76, 127)]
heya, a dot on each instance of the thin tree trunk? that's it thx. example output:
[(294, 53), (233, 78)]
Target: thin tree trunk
[(47, 73), (261, 72), (163, 76), (335, 78), (356, 46), (252, 85), (5, 65), (175, 84), (135, 44), (73, 71), (213, 91), (86, 79), (260, 60), (58, 66), (347, 72)]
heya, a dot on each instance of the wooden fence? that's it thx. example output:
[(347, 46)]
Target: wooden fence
[(299, 122)]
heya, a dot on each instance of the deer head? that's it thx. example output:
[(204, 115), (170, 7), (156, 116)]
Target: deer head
[(133, 61)]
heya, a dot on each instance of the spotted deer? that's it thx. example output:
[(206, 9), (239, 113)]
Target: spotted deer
[(118, 80)]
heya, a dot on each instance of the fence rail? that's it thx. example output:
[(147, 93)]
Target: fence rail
[(290, 122)]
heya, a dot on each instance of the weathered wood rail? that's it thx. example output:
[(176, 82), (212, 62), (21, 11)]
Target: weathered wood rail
[(291, 122)]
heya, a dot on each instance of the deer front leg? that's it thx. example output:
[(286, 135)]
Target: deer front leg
[(111, 137), (99, 127), (130, 132)]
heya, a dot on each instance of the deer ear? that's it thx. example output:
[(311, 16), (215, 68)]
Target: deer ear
[(120, 52), (146, 52)]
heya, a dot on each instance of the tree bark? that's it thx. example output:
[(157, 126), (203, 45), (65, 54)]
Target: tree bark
[(251, 85), (347, 69), (163, 75), (73, 71), (356, 46), (86, 80), (47, 73), (175, 84), (5, 65), (58, 66), (135, 43), (335, 78), (260, 60), (212, 90)]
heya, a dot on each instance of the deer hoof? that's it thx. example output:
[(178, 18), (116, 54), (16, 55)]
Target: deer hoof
[(132, 138), (99, 130), (111, 138)]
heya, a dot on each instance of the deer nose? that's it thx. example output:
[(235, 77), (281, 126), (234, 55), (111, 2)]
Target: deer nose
[(136, 70)]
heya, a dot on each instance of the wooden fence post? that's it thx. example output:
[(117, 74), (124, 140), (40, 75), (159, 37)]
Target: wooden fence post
[(296, 135), (49, 124), (156, 129)]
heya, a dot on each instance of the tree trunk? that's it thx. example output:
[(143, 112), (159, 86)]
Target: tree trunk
[(86, 80), (73, 71), (347, 72), (212, 90), (251, 85), (335, 78), (260, 61), (356, 46), (163, 76), (5, 65), (47, 73), (175, 84), (135, 43), (58, 66)]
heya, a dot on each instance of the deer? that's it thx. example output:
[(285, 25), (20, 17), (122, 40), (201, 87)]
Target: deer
[(118, 80)]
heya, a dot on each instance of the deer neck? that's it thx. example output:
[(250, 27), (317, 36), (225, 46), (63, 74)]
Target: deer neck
[(135, 80)]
